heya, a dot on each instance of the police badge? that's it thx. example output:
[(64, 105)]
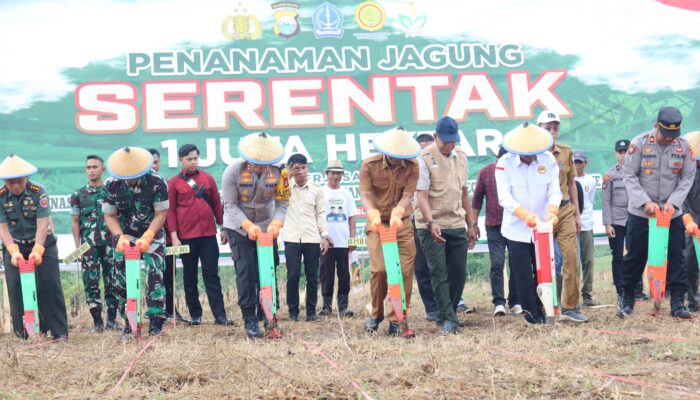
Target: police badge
[(241, 25), (286, 19)]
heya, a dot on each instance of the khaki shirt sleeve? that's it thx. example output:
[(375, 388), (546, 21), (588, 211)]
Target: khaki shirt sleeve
[(571, 175), (630, 172), (679, 195), (233, 215)]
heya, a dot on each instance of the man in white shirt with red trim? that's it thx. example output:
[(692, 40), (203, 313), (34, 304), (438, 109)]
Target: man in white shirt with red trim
[(527, 180)]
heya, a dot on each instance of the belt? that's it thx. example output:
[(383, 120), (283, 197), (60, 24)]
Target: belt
[(24, 242), (563, 203)]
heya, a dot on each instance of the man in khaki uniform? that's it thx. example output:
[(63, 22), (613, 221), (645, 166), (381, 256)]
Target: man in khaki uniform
[(569, 220), (256, 196), (659, 171), (387, 186), (443, 217)]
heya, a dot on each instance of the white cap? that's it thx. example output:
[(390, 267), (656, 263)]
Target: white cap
[(547, 116)]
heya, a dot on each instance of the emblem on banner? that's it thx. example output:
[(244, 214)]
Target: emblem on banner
[(241, 25), (286, 19), (328, 21), (412, 23), (370, 16)]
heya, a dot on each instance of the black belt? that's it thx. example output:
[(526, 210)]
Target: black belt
[(25, 242), (563, 203)]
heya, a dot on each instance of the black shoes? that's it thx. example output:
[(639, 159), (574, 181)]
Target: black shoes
[(311, 317), (372, 325), (196, 321), (449, 327), (98, 324), (252, 329), (155, 326), (678, 309)]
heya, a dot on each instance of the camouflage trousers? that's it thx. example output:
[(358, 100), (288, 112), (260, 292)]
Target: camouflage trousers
[(99, 257), (154, 261)]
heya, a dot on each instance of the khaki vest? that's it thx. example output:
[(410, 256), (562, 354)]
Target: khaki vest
[(448, 175)]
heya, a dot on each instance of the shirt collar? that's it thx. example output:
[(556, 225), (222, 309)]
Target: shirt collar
[(385, 162), (196, 171), (92, 189), (518, 161), (306, 184), (556, 149)]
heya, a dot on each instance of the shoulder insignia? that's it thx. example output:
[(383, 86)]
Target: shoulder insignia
[(33, 187), (632, 149), (606, 178), (3, 190), (563, 146)]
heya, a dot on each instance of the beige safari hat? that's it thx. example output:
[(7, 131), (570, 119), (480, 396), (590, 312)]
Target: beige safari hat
[(334, 165), (260, 148), (16, 167), (527, 139), (693, 139), (129, 163), (397, 143)]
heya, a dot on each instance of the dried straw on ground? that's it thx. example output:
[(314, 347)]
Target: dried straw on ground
[(490, 358)]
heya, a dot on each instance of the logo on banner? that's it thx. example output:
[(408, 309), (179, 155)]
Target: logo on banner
[(241, 25), (286, 19), (328, 22), (412, 23), (370, 16)]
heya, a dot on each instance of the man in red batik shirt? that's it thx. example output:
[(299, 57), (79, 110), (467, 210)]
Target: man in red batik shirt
[(195, 209)]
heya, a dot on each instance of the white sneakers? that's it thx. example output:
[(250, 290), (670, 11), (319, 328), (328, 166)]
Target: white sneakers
[(516, 309), (499, 311)]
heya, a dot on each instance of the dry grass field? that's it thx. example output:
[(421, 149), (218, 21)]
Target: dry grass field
[(645, 357)]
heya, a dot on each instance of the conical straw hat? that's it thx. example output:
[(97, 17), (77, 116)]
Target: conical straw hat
[(260, 148), (15, 167), (527, 139), (397, 143), (129, 163), (693, 139)]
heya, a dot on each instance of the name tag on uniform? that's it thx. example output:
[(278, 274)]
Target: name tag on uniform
[(357, 241), (177, 250), (76, 254)]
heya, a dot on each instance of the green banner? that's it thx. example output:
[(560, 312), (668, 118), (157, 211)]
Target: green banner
[(85, 78)]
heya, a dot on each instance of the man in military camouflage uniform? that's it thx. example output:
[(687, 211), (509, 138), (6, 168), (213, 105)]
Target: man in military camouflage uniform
[(135, 206), (24, 222), (88, 226), (256, 196), (615, 217), (659, 171)]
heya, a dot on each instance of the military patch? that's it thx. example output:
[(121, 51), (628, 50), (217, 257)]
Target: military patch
[(243, 199), (679, 149), (246, 180), (541, 169), (648, 172), (648, 163), (606, 178), (652, 139), (677, 164), (647, 149), (632, 149), (3, 190)]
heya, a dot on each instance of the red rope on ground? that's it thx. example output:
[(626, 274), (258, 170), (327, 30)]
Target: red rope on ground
[(337, 367), (594, 371), (644, 335), (131, 365)]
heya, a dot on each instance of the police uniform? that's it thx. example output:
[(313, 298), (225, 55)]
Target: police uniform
[(445, 179), (615, 214), (135, 207), (660, 174), (20, 213), (86, 204), (258, 198)]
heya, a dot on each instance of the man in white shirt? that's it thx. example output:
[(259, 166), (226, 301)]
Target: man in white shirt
[(586, 236), (341, 226), (305, 236), (527, 180)]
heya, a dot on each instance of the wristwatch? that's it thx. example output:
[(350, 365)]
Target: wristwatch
[(429, 223)]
